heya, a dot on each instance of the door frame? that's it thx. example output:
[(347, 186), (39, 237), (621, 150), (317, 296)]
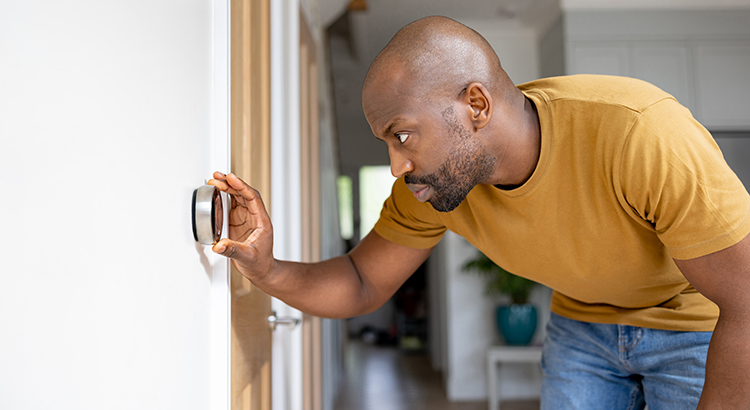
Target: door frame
[(251, 337), (295, 211), (285, 210), (309, 137), (220, 160)]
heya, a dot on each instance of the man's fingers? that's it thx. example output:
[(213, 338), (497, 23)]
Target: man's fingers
[(220, 182), (249, 198), (254, 201), (233, 250), (220, 247), (241, 187)]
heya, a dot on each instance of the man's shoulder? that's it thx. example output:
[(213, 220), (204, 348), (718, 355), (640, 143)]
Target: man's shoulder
[(625, 92)]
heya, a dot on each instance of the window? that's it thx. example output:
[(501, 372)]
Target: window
[(375, 184), (346, 206)]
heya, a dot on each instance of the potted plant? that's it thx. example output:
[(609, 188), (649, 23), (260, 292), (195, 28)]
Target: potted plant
[(517, 322)]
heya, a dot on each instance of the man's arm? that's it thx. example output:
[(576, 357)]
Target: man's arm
[(349, 285), (724, 277)]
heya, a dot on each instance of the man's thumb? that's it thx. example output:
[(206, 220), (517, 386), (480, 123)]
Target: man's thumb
[(229, 248)]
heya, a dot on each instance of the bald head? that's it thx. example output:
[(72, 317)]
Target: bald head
[(436, 58), (430, 96)]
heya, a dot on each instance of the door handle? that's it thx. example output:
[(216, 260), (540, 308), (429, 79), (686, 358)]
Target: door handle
[(274, 321)]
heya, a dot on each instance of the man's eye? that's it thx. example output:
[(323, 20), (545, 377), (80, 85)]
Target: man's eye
[(402, 137)]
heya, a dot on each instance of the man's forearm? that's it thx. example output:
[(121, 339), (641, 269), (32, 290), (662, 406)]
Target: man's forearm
[(727, 383), (331, 288)]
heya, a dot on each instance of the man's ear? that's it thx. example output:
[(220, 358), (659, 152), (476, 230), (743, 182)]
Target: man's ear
[(479, 102)]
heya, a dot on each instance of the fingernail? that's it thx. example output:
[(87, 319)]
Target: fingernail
[(221, 249)]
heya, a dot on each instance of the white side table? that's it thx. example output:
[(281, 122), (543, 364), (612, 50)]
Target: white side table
[(507, 354)]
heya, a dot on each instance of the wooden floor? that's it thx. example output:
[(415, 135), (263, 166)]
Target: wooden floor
[(383, 378)]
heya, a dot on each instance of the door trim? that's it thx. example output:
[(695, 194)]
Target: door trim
[(310, 200), (250, 363), (220, 160), (285, 209)]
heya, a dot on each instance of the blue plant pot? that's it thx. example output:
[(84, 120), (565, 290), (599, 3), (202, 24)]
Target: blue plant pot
[(517, 323)]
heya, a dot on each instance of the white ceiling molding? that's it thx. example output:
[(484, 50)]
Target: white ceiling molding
[(653, 4)]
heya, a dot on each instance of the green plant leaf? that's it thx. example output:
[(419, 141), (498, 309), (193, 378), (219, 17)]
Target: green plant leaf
[(499, 280)]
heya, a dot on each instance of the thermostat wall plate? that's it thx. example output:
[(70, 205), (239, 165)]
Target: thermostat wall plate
[(208, 215)]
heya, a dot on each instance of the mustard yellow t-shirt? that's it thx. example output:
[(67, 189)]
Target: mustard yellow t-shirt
[(626, 181)]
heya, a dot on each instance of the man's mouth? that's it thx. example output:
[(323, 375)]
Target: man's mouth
[(421, 192)]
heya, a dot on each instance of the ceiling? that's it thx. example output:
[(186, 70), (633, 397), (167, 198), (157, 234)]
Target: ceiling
[(371, 30)]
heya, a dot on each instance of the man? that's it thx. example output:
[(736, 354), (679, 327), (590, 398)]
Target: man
[(603, 188)]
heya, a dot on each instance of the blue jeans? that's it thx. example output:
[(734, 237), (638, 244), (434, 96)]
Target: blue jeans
[(592, 366)]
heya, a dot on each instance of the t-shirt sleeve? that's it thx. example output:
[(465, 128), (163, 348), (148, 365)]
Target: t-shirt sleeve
[(675, 178), (408, 222)]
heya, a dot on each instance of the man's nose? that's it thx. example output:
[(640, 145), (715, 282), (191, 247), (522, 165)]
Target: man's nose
[(400, 164)]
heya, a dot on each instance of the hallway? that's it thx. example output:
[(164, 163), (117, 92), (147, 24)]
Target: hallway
[(384, 378)]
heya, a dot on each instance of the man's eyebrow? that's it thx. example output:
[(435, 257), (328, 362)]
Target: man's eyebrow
[(389, 128)]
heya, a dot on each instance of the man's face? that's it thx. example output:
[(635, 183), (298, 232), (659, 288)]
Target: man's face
[(440, 159), (467, 164)]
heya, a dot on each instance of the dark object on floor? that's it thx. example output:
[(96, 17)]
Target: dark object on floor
[(377, 337)]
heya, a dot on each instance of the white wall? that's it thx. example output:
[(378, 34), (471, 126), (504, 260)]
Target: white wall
[(468, 323), (105, 123)]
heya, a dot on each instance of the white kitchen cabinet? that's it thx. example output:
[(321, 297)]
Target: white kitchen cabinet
[(668, 67), (609, 59), (722, 82), (700, 57)]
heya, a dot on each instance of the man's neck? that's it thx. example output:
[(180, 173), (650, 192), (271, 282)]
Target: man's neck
[(521, 154)]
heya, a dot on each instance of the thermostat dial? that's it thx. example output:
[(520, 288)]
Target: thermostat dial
[(208, 215)]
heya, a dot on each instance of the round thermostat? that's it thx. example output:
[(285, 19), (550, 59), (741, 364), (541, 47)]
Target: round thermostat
[(208, 215)]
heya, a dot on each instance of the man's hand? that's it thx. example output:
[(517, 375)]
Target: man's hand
[(345, 286), (250, 242)]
